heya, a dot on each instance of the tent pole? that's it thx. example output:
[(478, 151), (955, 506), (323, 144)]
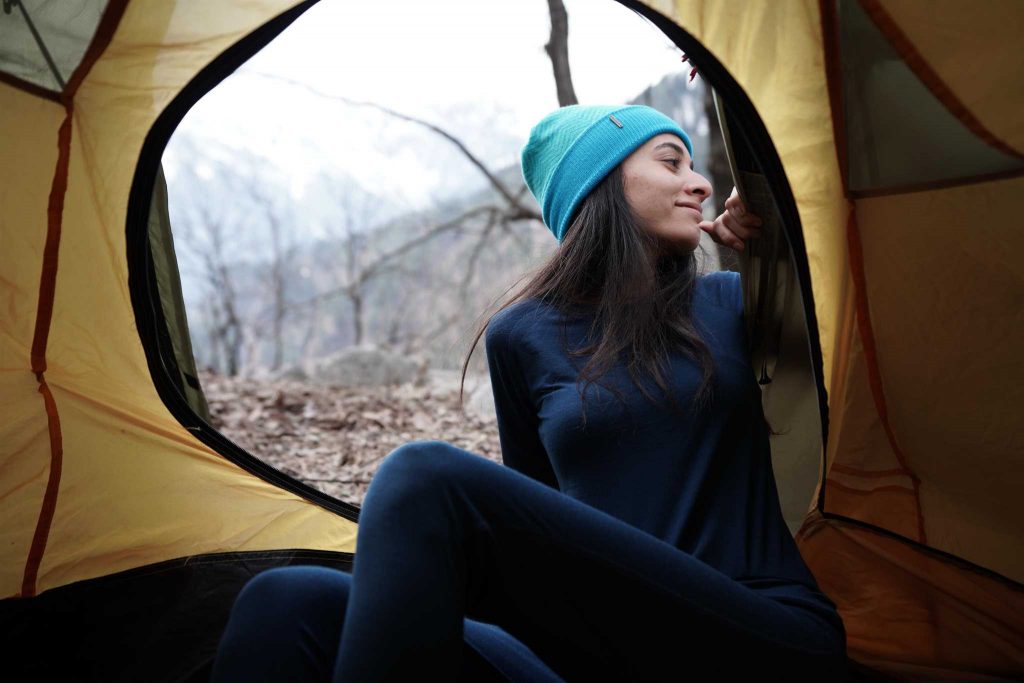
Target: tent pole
[(39, 39)]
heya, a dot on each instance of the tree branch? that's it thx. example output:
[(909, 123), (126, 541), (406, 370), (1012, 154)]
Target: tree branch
[(498, 185)]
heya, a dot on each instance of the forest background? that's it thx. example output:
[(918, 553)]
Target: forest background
[(337, 254)]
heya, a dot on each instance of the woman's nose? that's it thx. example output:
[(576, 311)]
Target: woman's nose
[(699, 185)]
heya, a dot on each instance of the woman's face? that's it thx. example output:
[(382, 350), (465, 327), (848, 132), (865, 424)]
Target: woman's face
[(662, 189)]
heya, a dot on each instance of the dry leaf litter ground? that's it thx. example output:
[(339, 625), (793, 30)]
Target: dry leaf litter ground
[(333, 438)]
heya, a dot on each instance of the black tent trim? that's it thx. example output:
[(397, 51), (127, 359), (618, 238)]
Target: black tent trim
[(160, 622), (30, 88), (142, 284), (937, 184)]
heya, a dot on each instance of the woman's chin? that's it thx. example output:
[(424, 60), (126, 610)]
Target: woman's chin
[(686, 240), (680, 247)]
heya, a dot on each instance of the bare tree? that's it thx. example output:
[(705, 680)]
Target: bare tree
[(558, 51), (364, 264), (204, 241), (366, 260), (224, 324), (271, 210), (356, 216)]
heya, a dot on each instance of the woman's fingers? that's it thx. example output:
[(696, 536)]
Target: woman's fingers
[(712, 228), (720, 234), (735, 225), (730, 237), (744, 227), (734, 203), (734, 231), (730, 232)]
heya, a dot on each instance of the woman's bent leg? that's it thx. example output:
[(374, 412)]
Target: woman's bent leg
[(445, 534), (286, 624)]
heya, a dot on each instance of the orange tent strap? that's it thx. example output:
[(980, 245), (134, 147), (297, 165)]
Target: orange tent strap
[(44, 312), (48, 276), (46, 512)]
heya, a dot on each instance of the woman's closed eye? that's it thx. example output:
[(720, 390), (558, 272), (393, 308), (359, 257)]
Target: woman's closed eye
[(676, 162)]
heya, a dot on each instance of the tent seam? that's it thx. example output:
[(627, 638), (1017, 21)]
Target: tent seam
[(44, 314), (47, 288)]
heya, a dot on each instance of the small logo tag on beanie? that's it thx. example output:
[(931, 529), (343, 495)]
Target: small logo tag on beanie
[(615, 120)]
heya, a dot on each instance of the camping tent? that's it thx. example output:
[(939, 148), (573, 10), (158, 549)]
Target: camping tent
[(890, 133)]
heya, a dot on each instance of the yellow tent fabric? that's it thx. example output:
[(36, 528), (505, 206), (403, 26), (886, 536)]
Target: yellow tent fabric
[(918, 306), (915, 528), (135, 487)]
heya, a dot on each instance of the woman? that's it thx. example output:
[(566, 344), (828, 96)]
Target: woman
[(628, 537)]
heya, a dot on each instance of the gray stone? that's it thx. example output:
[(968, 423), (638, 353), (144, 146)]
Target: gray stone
[(292, 373), (365, 366)]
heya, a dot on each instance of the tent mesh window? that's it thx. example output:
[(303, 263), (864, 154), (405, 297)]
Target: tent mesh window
[(45, 40), (898, 133)]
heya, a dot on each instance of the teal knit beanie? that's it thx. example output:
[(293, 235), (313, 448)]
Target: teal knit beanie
[(571, 149)]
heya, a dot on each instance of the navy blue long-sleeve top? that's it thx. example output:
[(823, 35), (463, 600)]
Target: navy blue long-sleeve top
[(702, 482)]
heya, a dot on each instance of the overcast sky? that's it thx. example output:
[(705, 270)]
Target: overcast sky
[(477, 67)]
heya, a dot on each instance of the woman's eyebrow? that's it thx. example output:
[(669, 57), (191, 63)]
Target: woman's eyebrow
[(669, 144)]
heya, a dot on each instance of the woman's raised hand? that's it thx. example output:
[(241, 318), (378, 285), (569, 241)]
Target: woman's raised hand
[(735, 225)]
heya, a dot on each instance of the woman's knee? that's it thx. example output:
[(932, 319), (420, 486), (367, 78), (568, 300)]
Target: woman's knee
[(297, 590), (420, 465)]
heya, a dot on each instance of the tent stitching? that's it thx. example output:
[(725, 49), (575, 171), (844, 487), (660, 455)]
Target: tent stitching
[(44, 313), (47, 288)]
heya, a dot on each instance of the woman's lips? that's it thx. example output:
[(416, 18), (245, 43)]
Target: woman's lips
[(697, 211)]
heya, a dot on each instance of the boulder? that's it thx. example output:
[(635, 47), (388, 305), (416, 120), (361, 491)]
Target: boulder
[(364, 366), (292, 373)]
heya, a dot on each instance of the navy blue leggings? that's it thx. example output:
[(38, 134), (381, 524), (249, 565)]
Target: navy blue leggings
[(467, 570)]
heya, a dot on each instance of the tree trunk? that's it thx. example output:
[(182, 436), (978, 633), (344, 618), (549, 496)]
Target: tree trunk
[(558, 50), (356, 297), (277, 285)]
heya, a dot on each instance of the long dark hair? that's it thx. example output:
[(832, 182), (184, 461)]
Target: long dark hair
[(641, 291)]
